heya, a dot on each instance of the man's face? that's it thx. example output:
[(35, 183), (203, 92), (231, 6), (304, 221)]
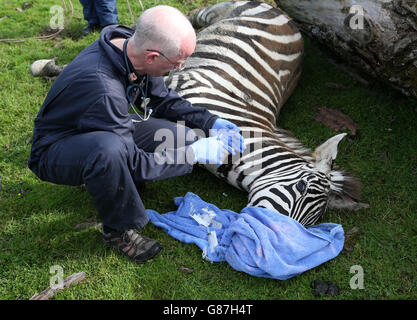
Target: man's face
[(159, 63)]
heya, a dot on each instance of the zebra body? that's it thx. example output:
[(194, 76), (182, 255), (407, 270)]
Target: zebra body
[(246, 64)]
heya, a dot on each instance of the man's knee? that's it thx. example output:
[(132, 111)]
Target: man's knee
[(108, 154)]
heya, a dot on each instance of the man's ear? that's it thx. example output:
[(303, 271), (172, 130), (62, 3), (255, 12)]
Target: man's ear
[(150, 56)]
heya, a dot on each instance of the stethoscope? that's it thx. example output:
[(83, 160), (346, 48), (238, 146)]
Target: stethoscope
[(136, 88)]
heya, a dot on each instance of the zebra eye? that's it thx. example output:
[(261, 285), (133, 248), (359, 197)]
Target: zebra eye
[(301, 186)]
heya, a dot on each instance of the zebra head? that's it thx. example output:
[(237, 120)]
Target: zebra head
[(307, 186)]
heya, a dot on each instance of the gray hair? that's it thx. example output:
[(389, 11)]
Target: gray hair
[(150, 34)]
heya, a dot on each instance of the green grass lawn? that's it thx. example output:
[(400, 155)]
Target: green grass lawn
[(38, 219)]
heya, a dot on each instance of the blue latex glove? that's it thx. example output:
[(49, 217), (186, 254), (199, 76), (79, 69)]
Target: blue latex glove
[(229, 133), (210, 150)]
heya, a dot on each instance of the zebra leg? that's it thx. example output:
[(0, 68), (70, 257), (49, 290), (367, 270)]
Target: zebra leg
[(209, 15), (224, 10)]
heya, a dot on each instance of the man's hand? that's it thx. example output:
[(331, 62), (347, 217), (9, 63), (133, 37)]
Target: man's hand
[(210, 150), (229, 134)]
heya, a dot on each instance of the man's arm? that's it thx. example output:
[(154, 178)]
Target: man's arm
[(166, 103), (111, 114)]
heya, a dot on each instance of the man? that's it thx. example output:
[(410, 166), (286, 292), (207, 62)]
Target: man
[(84, 133), (99, 14)]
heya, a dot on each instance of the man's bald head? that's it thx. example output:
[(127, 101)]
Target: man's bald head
[(165, 29)]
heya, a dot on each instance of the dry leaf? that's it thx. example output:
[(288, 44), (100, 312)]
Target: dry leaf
[(91, 222), (351, 237), (335, 119), (334, 85), (86, 225), (185, 269)]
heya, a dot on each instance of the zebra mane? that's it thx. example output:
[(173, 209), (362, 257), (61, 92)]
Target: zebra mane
[(344, 184), (345, 191), (288, 139)]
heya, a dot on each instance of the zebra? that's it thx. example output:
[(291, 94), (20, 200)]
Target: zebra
[(246, 64)]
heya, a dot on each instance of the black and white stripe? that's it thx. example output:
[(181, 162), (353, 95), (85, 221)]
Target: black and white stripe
[(246, 64)]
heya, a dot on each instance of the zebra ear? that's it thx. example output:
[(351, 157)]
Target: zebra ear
[(326, 153)]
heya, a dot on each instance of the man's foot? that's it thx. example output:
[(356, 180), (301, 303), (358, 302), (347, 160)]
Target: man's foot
[(133, 244), (90, 28)]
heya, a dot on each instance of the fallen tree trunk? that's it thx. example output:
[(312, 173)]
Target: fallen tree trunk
[(375, 36)]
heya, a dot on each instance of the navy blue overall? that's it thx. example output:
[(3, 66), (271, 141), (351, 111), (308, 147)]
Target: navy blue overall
[(84, 133)]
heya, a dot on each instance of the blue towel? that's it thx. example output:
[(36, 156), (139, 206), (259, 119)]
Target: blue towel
[(257, 241)]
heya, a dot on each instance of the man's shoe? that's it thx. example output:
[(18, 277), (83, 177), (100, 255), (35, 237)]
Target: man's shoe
[(133, 244), (90, 28)]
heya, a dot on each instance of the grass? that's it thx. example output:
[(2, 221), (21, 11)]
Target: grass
[(37, 219)]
